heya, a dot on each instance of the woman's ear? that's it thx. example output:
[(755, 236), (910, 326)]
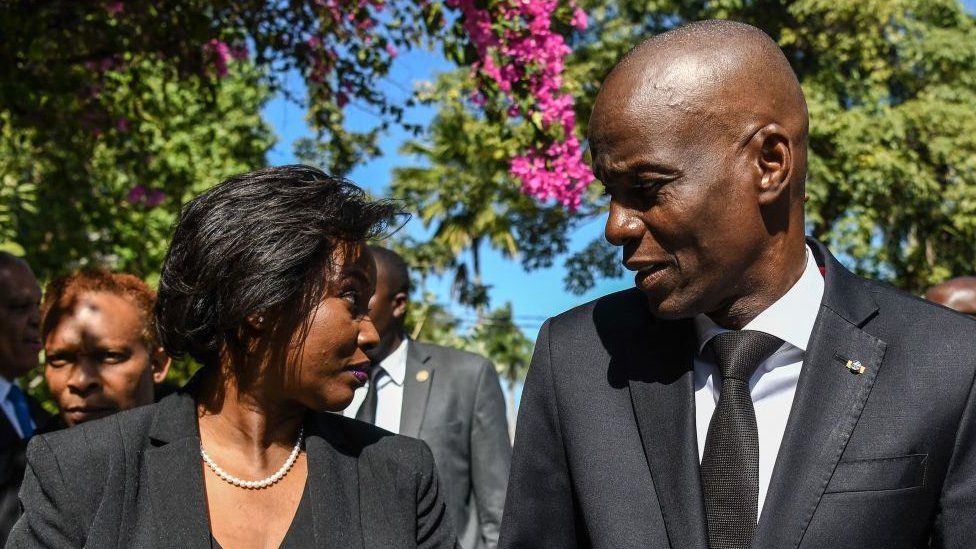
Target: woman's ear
[(160, 365)]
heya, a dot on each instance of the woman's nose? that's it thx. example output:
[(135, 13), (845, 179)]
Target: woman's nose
[(368, 336), (84, 377)]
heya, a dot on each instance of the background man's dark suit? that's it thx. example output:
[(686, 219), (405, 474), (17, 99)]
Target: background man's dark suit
[(458, 409), (606, 451), (12, 464)]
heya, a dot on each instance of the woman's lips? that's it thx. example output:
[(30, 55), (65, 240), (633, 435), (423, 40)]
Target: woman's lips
[(360, 372)]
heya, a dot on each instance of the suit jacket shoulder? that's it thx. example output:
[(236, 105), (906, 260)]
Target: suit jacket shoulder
[(363, 441), (457, 359)]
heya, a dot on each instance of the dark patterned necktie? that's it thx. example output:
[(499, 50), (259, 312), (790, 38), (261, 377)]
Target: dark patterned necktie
[(730, 462), (367, 410)]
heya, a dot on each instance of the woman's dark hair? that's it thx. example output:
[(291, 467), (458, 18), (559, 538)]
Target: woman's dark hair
[(258, 243)]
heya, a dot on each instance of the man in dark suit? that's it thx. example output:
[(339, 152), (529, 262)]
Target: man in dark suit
[(20, 342), (750, 392), (450, 399)]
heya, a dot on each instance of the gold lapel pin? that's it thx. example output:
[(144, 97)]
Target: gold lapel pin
[(423, 375), (855, 367)]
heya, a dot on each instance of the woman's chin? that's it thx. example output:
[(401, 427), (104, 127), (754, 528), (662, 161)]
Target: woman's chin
[(334, 402)]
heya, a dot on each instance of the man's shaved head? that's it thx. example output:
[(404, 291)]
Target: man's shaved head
[(699, 135), (957, 293), (388, 306), (392, 267), (711, 70)]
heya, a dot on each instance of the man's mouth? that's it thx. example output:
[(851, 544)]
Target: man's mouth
[(650, 274)]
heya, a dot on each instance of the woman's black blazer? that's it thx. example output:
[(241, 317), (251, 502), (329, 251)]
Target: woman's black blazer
[(135, 479)]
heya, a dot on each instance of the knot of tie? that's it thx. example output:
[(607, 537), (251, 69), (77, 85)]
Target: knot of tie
[(739, 353)]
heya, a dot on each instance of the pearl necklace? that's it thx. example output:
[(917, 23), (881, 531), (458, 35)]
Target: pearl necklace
[(256, 484)]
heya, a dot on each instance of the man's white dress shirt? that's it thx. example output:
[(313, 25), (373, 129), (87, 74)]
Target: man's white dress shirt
[(8, 407), (389, 391), (791, 318)]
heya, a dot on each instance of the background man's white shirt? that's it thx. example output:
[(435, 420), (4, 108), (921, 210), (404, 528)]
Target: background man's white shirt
[(791, 318), (389, 391)]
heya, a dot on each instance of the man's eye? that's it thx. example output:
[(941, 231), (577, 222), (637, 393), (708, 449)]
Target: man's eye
[(650, 185), (114, 358), (352, 296), (56, 361)]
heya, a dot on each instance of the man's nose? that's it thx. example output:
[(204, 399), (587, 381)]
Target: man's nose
[(623, 225)]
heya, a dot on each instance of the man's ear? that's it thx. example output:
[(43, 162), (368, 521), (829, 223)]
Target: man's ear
[(774, 158), (400, 301), (160, 365)]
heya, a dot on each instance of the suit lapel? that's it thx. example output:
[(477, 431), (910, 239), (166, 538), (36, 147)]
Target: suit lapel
[(416, 389), (175, 476), (828, 401), (661, 379)]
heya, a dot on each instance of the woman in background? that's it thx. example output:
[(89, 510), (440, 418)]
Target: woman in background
[(266, 285), (101, 350)]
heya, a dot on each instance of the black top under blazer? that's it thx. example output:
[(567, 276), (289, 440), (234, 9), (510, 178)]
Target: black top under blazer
[(135, 479), (881, 458)]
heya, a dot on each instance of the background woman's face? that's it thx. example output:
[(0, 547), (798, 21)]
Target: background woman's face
[(327, 368), (96, 359)]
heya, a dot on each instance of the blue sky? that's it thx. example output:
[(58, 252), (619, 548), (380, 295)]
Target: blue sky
[(534, 296)]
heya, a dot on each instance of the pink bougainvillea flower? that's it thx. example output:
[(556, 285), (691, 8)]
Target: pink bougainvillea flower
[(526, 58), (114, 8), (136, 194), (391, 50), (220, 52), (155, 198), (579, 19), (122, 124)]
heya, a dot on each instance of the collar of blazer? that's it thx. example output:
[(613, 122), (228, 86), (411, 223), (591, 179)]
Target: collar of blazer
[(656, 360), (421, 370), (174, 473)]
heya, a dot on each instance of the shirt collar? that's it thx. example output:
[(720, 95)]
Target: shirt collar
[(790, 318), (4, 388), (395, 364)]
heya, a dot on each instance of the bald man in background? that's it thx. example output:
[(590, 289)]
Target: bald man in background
[(750, 392), (20, 343), (958, 294)]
